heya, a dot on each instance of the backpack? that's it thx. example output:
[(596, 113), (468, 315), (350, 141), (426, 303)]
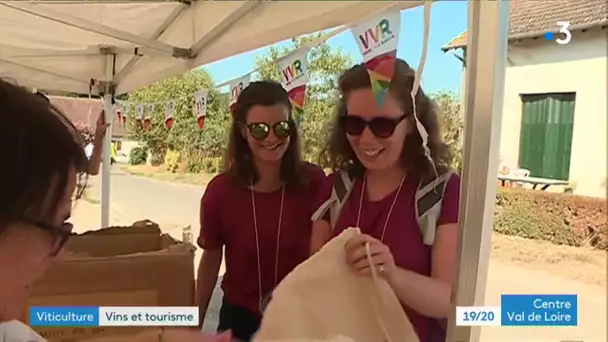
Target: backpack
[(428, 199)]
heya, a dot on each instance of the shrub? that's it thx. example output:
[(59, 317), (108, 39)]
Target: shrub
[(211, 165), (157, 158), (138, 156), (559, 218), (172, 160), (194, 163), (207, 164)]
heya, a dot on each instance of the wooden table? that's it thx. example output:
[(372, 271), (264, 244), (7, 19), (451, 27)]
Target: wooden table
[(544, 183)]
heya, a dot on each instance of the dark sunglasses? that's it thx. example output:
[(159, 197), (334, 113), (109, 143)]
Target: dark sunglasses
[(261, 130), (60, 235), (381, 127)]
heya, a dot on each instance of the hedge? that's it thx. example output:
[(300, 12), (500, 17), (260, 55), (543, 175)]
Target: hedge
[(138, 156), (563, 219)]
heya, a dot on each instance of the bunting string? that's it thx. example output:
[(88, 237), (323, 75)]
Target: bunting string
[(376, 36)]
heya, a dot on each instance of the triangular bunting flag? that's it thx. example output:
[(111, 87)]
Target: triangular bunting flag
[(294, 77), (377, 39), (200, 107), (148, 116), (169, 114), (236, 87)]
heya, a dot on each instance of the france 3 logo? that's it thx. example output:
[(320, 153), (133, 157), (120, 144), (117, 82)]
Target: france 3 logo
[(563, 35)]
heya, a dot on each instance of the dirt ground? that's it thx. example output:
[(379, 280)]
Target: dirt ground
[(580, 264)]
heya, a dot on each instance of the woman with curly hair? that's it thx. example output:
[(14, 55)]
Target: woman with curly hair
[(381, 150)]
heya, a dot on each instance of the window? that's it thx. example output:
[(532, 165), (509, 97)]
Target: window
[(545, 141)]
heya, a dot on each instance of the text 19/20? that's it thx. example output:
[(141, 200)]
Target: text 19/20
[(477, 316)]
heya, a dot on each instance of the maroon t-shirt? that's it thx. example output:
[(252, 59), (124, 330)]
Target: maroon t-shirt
[(402, 235), (227, 221)]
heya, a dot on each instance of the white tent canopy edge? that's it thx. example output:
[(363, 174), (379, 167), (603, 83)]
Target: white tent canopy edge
[(63, 45)]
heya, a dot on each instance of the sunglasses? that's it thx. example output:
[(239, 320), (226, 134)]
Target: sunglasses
[(261, 130), (381, 127), (61, 235)]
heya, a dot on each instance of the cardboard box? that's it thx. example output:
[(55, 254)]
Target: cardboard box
[(117, 266)]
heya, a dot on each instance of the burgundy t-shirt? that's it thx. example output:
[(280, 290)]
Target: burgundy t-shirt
[(402, 235), (227, 221)]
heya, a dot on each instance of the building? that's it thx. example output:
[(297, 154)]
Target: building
[(555, 96), (83, 113)]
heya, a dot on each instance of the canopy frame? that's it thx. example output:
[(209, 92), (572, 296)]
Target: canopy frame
[(89, 26), (488, 24), (108, 108), (169, 20)]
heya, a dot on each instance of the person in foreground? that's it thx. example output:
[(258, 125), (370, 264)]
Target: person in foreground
[(43, 159), (258, 210), (383, 150)]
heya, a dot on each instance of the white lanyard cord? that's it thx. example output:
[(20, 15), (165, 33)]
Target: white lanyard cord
[(389, 212), (368, 253), (257, 240)]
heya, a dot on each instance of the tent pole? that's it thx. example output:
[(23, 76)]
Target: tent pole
[(108, 91), (485, 62), (105, 165)]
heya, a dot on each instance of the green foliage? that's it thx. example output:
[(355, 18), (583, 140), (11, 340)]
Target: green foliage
[(157, 158), (138, 156), (325, 66), (196, 146), (172, 160), (194, 163), (451, 121), (211, 165), (184, 136), (559, 218)]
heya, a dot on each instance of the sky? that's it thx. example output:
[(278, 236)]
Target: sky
[(442, 71)]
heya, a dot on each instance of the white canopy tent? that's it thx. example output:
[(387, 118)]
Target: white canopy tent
[(108, 48)]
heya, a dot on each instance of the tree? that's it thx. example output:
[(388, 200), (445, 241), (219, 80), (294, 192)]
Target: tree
[(325, 66), (451, 122), (184, 136)]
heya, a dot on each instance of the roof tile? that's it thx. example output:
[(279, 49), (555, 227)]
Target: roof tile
[(536, 16), (83, 113)]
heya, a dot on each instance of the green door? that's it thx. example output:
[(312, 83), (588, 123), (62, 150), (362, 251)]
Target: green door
[(545, 141)]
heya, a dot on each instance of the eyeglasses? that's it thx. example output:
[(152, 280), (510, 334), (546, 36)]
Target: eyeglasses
[(261, 130), (381, 127), (60, 235)]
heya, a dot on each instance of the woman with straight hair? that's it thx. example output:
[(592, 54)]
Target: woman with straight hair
[(382, 151), (258, 211), (44, 172)]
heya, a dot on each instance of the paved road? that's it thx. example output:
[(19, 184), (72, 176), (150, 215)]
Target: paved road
[(174, 205)]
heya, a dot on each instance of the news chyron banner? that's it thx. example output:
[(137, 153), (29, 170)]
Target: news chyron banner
[(113, 316), (515, 310), (523, 310)]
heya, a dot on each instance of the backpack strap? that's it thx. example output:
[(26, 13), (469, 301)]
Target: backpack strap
[(342, 187), (428, 200)]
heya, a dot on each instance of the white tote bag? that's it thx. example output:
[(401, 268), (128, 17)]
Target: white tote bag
[(323, 300)]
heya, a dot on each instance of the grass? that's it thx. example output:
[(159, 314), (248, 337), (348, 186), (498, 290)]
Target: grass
[(159, 173), (583, 264)]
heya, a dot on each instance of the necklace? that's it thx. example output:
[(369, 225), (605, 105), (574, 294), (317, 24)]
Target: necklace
[(390, 211), (257, 243)]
